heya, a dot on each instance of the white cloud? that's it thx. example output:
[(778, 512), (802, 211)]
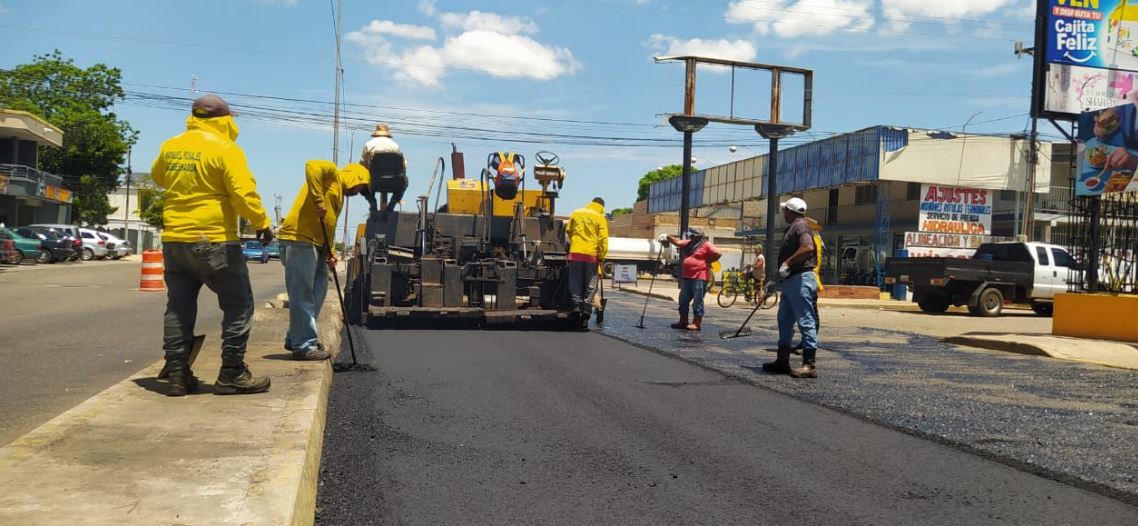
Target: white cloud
[(387, 27), (999, 70), (901, 13), (488, 43), (427, 7), (508, 55), (482, 21), (4, 9), (742, 50), (802, 18)]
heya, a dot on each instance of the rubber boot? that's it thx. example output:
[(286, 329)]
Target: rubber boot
[(696, 323), (781, 363), (238, 380), (807, 370), (176, 380), (682, 324)]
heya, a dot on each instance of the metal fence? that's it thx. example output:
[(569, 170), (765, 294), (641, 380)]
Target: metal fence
[(1103, 238)]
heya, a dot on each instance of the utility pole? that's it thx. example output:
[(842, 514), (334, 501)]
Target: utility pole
[(336, 110), (277, 208), (1028, 224), (126, 213)]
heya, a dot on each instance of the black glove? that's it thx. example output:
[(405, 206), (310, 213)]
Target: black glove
[(265, 236)]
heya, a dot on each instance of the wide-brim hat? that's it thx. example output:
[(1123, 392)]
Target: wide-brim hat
[(381, 130)]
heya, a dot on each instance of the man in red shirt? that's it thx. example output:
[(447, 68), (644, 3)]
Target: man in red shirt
[(697, 254)]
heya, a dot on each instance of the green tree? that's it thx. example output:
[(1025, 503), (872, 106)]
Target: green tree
[(81, 103), (151, 201), (617, 212), (667, 172)]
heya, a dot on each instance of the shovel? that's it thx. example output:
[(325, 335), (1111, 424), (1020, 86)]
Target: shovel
[(355, 365)]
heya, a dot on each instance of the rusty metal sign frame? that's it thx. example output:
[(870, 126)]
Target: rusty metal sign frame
[(691, 65)]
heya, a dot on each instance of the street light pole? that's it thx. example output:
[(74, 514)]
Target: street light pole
[(772, 134)]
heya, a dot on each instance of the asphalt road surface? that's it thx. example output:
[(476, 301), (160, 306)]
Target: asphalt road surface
[(70, 330), (465, 427)]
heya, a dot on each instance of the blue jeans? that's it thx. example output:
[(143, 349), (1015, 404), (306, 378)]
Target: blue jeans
[(692, 291), (799, 295), (306, 280)]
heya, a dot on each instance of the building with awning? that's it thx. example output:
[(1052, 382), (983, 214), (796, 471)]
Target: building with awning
[(869, 189), (27, 194)]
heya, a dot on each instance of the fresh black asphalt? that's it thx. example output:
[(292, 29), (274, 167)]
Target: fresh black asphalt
[(501, 427)]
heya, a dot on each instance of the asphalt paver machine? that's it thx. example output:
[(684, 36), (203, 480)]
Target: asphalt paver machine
[(494, 253)]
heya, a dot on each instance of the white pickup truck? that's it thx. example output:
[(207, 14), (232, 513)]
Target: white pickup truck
[(997, 274)]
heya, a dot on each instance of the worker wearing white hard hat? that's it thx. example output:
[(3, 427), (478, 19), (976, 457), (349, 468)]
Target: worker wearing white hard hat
[(796, 261)]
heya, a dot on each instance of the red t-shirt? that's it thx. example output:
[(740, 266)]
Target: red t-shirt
[(697, 265)]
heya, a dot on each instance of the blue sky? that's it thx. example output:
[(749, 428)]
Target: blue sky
[(570, 75)]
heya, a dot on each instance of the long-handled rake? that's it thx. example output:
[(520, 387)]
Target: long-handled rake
[(355, 365), (745, 330), (655, 270)]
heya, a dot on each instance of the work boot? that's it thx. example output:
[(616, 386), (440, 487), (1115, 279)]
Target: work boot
[(180, 380), (682, 324), (311, 354), (238, 380), (696, 323), (781, 363), (807, 370)]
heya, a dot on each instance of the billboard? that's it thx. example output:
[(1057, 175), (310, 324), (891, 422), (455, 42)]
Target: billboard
[(954, 210), (936, 245), (1108, 151), (1089, 53)]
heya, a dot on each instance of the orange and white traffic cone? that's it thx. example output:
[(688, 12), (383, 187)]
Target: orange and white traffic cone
[(153, 268)]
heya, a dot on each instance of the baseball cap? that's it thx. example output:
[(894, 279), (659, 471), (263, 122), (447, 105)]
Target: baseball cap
[(211, 106)]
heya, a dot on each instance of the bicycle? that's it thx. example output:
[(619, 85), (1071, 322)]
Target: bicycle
[(735, 282)]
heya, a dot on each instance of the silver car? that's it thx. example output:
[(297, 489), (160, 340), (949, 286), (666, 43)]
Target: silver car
[(94, 247), (121, 248)]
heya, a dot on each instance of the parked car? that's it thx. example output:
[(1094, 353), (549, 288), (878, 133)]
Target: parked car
[(70, 231), (94, 246), (116, 248), (56, 246), (23, 247), (256, 251), (274, 249), (7, 248), (998, 273)]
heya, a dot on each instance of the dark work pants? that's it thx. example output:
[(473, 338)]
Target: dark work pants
[(582, 284), (221, 267)]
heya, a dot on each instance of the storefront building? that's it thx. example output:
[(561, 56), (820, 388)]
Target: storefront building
[(29, 195)]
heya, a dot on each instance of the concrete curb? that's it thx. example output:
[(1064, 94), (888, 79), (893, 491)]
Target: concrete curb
[(130, 455), (331, 334), (1096, 352), (997, 345)]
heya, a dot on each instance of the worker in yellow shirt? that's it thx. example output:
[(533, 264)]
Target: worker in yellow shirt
[(304, 248), (208, 185)]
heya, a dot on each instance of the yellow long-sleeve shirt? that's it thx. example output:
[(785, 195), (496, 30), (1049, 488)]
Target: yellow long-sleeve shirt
[(208, 183), (324, 186)]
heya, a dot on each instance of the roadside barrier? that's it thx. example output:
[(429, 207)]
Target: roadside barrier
[(152, 272)]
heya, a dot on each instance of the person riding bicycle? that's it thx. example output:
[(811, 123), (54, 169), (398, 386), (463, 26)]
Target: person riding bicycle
[(758, 273)]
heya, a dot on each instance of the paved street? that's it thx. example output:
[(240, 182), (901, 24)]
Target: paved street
[(71, 330), (535, 427)]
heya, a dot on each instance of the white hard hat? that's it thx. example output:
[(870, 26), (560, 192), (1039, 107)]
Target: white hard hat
[(795, 205)]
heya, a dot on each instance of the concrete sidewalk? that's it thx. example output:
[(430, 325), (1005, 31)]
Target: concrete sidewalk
[(131, 455), (1099, 352), (667, 289)]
